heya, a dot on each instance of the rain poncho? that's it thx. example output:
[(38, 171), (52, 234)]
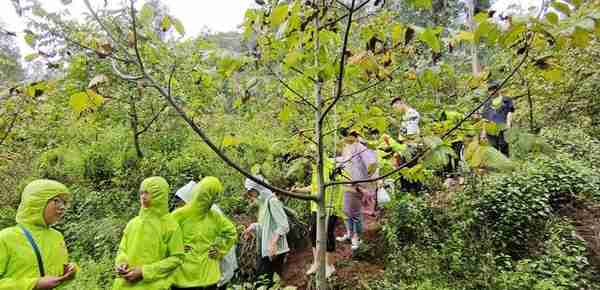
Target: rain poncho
[(272, 220), (18, 263), (202, 229), (229, 263), (152, 241), (335, 202)]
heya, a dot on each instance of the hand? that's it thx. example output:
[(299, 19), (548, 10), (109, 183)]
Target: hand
[(134, 275), (213, 252), (273, 249), (122, 269), (48, 282), (69, 271), (248, 232)]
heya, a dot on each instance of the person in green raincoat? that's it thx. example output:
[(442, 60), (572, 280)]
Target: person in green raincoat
[(334, 201), (207, 234), (152, 245), (42, 205)]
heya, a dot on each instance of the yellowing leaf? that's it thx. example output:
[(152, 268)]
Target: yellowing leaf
[(422, 4), (397, 33), (465, 36), (552, 75), (278, 15), (165, 24), (79, 102), (230, 141)]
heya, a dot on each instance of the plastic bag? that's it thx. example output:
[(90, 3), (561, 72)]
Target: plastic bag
[(383, 196)]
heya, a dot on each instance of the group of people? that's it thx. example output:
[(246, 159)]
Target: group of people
[(193, 247)]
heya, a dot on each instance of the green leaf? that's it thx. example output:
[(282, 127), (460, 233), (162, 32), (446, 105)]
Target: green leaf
[(79, 102), (31, 56), (293, 58), (581, 38), (30, 39), (165, 24), (278, 15), (552, 18), (562, 7), (421, 4), (430, 38), (285, 113), (147, 13), (178, 26)]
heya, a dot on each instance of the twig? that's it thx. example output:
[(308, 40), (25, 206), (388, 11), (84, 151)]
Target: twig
[(302, 98), (378, 82), (154, 118), (135, 39), (123, 75)]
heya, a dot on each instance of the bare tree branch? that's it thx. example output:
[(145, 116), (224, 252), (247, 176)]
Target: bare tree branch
[(154, 118), (368, 87), (135, 40), (340, 78), (123, 75), (302, 98)]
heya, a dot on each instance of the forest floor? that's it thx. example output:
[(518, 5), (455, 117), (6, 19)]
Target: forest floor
[(586, 219), (349, 271)]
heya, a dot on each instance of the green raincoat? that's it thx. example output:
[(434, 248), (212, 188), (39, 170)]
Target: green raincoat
[(335, 202), (203, 228), (18, 263), (152, 241)]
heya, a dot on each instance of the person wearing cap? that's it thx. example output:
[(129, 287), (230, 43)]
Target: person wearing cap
[(207, 236), (42, 205), (151, 248), (498, 110), (409, 124), (358, 164), (270, 230)]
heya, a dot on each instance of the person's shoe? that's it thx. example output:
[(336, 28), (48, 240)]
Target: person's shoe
[(343, 238), (329, 270), (355, 244), (313, 269)]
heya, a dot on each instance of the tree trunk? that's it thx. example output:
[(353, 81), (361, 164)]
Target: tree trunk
[(475, 47), (133, 118), (321, 225)]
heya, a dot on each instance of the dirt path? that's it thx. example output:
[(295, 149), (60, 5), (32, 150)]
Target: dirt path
[(348, 271)]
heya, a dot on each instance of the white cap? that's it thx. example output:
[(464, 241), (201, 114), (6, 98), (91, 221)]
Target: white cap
[(185, 192)]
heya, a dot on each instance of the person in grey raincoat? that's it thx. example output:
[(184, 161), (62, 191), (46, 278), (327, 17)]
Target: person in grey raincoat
[(271, 230)]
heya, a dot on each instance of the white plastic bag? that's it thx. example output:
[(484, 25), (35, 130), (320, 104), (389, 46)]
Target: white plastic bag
[(382, 196)]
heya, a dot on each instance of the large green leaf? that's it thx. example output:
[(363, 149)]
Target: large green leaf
[(178, 26), (552, 18), (430, 37), (147, 13), (562, 7), (397, 33), (278, 15)]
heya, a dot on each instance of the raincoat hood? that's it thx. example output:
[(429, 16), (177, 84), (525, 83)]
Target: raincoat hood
[(263, 192), (34, 199), (205, 193), (158, 188)]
